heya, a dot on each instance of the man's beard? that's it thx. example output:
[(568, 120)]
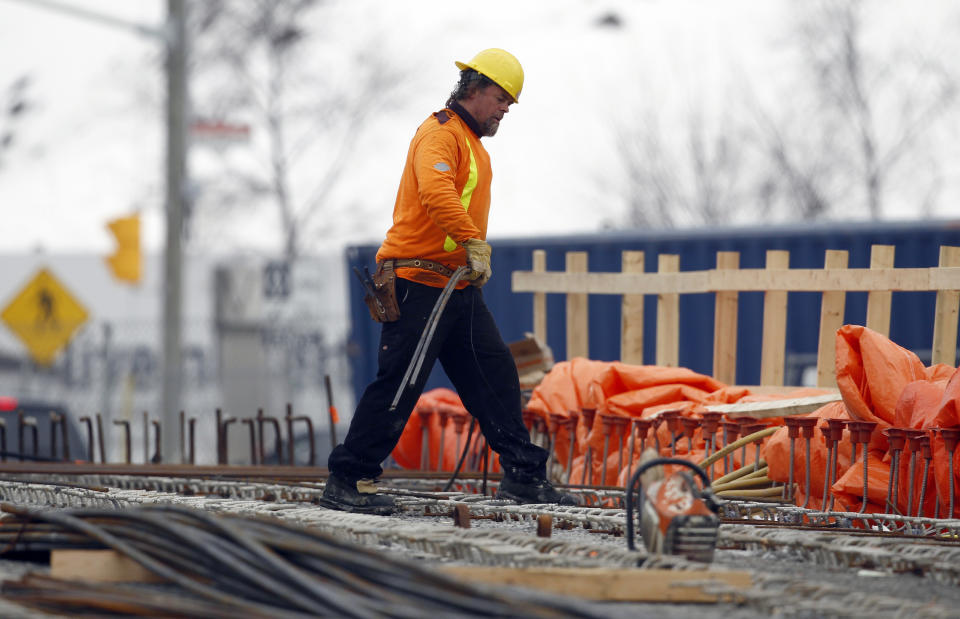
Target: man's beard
[(490, 127)]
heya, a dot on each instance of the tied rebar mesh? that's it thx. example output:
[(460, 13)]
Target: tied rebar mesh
[(253, 567)]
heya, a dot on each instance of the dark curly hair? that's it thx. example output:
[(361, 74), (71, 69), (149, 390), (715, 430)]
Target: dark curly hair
[(470, 82)]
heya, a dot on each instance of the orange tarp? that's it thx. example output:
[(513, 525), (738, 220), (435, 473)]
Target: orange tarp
[(885, 383), (408, 452), (635, 392), (878, 380)]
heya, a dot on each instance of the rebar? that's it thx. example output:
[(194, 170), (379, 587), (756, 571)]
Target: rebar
[(128, 456), (571, 425)]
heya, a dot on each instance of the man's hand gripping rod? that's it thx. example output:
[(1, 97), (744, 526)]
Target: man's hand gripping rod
[(413, 370)]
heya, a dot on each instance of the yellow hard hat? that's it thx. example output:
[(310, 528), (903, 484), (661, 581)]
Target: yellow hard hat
[(501, 66)]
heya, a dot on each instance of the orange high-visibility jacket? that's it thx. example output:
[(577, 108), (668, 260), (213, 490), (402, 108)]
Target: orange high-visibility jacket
[(443, 199)]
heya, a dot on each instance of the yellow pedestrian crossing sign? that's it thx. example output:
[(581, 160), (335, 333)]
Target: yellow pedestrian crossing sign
[(44, 315)]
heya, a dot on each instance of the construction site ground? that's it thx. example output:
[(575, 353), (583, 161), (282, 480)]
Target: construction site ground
[(794, 570)]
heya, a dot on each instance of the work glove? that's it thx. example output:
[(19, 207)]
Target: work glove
[(478, 259)]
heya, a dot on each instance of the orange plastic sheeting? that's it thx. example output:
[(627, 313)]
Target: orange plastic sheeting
[(777, 454), (631, 391), (408, 451), (849, 488), (872, 372), (926, 405), (614, 388), (948, 416), (567, 387), (882, 382)]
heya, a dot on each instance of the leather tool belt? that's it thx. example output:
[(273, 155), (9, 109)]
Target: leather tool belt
[(381, 297), (415, 263)]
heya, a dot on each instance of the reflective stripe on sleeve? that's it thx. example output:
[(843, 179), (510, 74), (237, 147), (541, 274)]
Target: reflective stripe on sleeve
[(467, 193)]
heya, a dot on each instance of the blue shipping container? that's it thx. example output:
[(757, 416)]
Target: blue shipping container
[(917, 245)]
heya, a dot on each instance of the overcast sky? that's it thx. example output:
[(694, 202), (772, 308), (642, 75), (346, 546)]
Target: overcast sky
[(92, 148)]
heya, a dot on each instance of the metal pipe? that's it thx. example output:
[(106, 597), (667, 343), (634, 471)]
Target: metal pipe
[(459, 423), (726, 461), (672, 419), (193, 436), (587, 466), (731, 431), (793, 445), (828, 437), (866, 480), (126, 438), (146, 437), (910, 473), (951, 436), (864, 430), (709, 423), (20, 434), (101, 441), (290, 439), (952, 482), (158, 449), (277, 437), (424, 415), (218, 414), (923, 487), (54, 423), (622, 423), (65, 431), (331, 410), (443, 416), (90, 450), (261, 450), (603, 462), (927, 454), (553, 429), (225, 445), (183, 436), (311, 439), (897, 439), (251, 421), (892, 494), (571, 424)]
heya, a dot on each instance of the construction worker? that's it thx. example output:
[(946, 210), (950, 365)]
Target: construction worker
[(439, 224)]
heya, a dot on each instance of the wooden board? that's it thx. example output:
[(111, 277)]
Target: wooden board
[(540, 298), (609, 584), (578, 324), (774, 342), (98, 566), (878, 301), (776, 408), (668, 315), (947, 311), (832, 306), (725, 325), (742, 280), (631, 321)]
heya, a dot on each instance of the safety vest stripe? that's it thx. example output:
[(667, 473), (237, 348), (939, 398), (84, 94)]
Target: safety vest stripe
[(465, 196)]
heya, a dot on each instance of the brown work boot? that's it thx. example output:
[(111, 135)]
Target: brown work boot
[(358, 497)]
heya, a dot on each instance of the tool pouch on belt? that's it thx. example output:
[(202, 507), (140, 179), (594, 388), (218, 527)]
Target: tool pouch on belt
[(382, 300)]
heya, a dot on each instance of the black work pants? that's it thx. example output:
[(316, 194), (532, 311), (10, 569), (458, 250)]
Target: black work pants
[(478, 363)]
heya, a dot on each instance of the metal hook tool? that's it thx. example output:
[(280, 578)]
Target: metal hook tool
[(410, 376)]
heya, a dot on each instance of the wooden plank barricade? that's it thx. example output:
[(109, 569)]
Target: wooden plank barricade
[(726, 281)]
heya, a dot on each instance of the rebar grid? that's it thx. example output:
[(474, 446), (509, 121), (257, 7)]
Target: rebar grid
[(255, 567), (772, 527)]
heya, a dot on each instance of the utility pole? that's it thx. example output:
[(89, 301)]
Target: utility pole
[(174, 37), (177, 105)]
